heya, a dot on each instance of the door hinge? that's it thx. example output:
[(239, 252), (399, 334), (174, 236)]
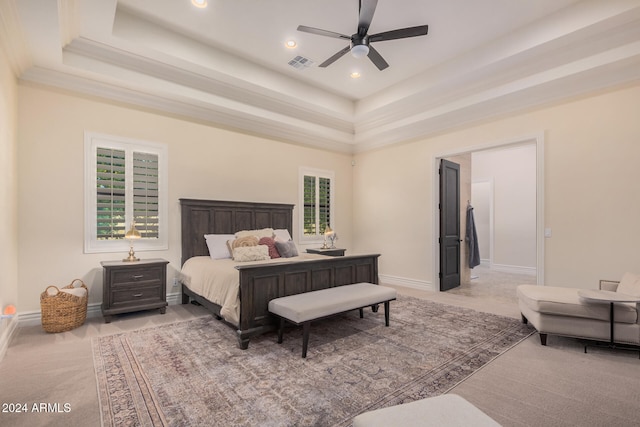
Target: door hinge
[(440, 275)]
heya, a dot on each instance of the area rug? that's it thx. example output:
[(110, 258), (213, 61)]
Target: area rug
[(192, 373)]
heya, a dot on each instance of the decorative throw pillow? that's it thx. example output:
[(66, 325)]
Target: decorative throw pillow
[(630, 285), (217, 244), (287, 249), (271, 244), (264, 232), (251, 253), (244, 241)]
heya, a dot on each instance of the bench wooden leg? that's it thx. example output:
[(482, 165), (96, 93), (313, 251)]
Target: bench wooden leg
[(386, 313), (280, 330), (305, 338), (361, 313)]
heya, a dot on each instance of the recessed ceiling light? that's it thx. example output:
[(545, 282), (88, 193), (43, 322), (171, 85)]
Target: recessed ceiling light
[(199, 3), (355, 75), (291, 44)]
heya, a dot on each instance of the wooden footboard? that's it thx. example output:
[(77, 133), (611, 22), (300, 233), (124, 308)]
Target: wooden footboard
[(259, 284)]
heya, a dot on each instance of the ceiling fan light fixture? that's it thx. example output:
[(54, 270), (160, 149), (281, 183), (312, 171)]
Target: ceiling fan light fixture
[(355, 75), (360, 51)]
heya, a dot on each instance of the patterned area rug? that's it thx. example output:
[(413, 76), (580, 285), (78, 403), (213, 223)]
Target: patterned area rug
[(192, 373)]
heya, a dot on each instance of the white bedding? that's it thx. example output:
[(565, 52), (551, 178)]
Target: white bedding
[(218, 280)]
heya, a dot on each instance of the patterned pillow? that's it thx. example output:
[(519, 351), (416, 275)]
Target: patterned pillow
[(271, 244), (251, 253), (244, 241)]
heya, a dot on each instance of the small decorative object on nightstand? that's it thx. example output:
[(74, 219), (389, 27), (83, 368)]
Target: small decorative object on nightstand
[(132, 235), (329, 251), (133, 286)]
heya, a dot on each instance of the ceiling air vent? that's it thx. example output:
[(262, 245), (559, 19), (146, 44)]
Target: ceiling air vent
[(300, 62)]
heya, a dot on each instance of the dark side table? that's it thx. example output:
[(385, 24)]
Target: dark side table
[(604, 297)]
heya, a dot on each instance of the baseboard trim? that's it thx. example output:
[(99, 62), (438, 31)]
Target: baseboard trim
[(8, 332), (34, 318), (422, 285), (514, 269)]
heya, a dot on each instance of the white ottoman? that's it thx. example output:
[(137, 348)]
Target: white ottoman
[(444, 410)]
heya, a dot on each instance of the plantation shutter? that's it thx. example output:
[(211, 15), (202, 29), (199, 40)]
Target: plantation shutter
[(110, 191), (324, 203), (317, 204), (309, 205), (145, 194)]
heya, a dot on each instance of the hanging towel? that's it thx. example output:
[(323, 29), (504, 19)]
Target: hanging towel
[(472, 239)]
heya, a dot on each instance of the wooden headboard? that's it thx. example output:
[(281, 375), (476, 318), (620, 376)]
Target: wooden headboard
[(200, 217)]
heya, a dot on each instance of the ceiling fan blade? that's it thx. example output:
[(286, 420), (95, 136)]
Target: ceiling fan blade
[(377, 59), (320, 32), (403, 33), (367, 9), (335, 57)]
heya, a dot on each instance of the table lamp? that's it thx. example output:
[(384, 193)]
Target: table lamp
[(131, 235)]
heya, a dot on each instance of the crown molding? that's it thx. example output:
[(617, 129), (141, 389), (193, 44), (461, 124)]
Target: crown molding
[(241, 119)]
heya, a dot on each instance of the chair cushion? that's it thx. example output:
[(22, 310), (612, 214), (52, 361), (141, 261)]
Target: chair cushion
[(630, 285), (566, 302)]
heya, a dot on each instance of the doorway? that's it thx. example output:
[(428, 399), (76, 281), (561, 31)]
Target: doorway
[(534, 145)]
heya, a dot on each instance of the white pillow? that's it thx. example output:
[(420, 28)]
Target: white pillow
[(251, 253), (265, 232), (217, 244), (282, 235), (630, 285)]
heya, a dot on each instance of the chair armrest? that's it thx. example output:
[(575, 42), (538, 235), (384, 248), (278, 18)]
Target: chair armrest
[(609, 285)]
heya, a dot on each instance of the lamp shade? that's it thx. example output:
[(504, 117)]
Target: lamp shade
[(132, 233)]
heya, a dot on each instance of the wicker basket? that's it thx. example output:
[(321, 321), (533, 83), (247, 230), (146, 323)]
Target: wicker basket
[(63, 311)]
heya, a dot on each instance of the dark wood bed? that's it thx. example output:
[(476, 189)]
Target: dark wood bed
[(261, 283)]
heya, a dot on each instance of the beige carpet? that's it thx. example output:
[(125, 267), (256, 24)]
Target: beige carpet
[(192, 373)]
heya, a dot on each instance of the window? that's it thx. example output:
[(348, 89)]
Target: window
[(125, 182), (317, 201)]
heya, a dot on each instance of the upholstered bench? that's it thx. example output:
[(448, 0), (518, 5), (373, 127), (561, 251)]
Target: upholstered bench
[(448, 410), (301, 309)]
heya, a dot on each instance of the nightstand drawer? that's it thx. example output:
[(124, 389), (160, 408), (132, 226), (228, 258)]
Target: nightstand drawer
[(138, 276), (135, 295)]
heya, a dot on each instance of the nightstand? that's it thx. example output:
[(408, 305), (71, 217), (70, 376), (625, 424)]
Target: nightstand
[(133, 286), (329, 252)]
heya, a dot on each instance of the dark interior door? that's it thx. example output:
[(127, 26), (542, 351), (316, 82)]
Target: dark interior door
[(449, 225)]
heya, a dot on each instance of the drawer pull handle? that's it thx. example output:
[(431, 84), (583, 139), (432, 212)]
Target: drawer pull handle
[(139, 276), (137, 295)]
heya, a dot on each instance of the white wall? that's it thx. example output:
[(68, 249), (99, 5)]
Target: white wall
[(512, 171), (8, 193), (204, 162), (592, 183)]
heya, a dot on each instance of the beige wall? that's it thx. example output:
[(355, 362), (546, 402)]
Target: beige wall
[(8, 186), (204, 162), (592, 188)]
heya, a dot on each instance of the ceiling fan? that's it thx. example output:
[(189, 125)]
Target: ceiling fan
[(360, 42)]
